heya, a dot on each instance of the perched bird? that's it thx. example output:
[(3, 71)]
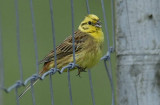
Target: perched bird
[(89, 40)]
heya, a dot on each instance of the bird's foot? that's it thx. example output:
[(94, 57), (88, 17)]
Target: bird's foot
[(80, 69)]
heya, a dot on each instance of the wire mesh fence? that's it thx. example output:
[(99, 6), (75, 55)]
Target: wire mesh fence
[(23, 82)]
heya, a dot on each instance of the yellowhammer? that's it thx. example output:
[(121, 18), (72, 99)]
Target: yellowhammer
[(88, 47)]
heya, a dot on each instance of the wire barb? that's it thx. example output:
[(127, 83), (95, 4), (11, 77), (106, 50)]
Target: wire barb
[(108, 54), (33, 77), (69, 66), (51, 71)]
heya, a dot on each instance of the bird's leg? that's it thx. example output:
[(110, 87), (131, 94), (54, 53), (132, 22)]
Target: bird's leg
[(80, 69)]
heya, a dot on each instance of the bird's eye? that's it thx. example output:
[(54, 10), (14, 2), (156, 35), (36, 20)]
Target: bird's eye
[(89, 22)]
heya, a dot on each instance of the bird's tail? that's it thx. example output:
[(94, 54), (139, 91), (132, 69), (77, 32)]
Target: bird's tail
[(45, 68), (27, 88)]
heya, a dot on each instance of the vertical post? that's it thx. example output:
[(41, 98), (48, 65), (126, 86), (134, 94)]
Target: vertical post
[(138, 52)]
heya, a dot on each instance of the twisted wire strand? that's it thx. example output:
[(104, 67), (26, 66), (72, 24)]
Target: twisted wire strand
[(34, 77)]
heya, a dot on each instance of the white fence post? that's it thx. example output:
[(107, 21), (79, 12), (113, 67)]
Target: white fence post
[(138, 52)]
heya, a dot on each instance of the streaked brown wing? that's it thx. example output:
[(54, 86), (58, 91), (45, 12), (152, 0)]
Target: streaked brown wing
[(66, 47)]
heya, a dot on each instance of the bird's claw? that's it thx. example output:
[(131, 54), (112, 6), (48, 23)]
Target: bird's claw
[(80, 69)]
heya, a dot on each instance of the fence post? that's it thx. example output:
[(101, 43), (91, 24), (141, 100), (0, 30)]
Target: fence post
[(138, 52)]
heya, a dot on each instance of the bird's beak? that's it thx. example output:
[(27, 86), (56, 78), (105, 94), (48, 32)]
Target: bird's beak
[(98, 24)]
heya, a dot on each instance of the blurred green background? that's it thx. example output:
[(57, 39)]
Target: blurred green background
[(62, 18)]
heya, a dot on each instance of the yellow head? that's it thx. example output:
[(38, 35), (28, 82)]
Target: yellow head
[(90, 24)]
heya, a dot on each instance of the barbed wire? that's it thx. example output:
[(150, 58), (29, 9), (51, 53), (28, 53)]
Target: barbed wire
[(52, 71)]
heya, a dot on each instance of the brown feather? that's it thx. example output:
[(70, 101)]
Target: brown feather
[(66, 48)]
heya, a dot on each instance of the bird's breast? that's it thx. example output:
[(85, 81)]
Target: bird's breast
[(90, 56)]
